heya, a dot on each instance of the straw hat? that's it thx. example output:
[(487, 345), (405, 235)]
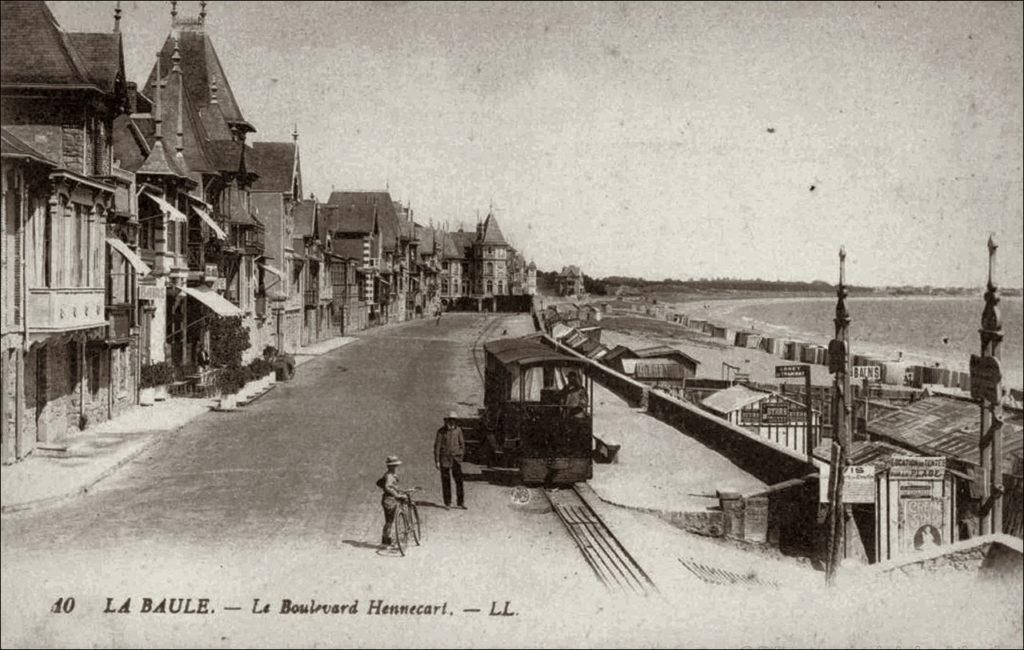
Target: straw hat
[(452, 414), (393, 461)]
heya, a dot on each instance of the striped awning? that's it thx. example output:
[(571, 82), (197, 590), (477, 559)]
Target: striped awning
[(173, 213), (140, 267), (272, 269), (217, 230), (218, 303)]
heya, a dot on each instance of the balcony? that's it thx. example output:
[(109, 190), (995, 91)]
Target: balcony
[(60, 310), (311, 298), (119, 323)]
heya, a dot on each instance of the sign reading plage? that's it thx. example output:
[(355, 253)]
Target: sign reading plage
[(918, 467)]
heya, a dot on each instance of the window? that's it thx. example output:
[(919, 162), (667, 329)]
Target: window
[(490, 287), (95, 370), (490, 268), (47, 248)]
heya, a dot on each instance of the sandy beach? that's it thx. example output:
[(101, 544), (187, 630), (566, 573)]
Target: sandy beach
[(735, 314)]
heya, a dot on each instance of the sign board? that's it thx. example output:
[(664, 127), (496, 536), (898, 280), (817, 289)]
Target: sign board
[(152, 293), (741, 377), (219, 284), (858, 484), (775, 412), (871, 373), (921, 524), (792, 371), (210, 270), (986, 374), (928, 468)]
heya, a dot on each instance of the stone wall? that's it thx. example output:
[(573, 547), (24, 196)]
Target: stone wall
[(292, 325)]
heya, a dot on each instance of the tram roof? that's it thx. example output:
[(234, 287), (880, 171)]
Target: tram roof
[(526, 351)]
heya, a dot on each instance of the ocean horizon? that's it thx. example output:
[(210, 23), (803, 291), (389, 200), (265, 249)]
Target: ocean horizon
[(925, 329)]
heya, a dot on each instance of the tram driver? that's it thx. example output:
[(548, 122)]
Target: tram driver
[(574, 397)]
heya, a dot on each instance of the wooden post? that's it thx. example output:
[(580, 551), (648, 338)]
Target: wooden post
[(841, 427), (810, 440), (990, 444)]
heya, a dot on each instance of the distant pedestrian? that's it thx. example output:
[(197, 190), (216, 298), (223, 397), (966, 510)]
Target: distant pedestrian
[(437, 313), (449, 449), (389, 499)]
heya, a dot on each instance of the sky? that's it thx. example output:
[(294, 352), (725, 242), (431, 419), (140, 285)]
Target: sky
[(680, 140)]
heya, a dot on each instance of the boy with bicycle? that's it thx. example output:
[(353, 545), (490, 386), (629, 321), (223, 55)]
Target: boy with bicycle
[(390, 497)]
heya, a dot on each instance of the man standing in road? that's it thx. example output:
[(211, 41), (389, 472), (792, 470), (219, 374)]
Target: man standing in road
[(389, 499), (449, 448)]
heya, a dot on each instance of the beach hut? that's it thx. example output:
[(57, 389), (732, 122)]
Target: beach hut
[(664, 352), (747, 339), (697, 324), (770, 415), (895, 373)]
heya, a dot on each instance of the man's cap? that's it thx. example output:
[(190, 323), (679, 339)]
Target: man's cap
[(452, 414), (393, 460)]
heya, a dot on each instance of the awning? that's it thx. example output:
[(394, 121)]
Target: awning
[(140, 267), (218, 303), (172, 212), (273, 269), (217, 230)]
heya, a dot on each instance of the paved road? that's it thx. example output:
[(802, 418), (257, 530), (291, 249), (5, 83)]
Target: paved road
[(278, 501)]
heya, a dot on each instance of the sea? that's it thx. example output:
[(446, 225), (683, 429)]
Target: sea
[(926, 329)]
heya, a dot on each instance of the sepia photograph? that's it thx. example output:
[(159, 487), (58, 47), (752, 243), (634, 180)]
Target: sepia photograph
[(511, 324)]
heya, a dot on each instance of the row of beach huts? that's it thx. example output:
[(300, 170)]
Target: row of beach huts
[(892, 372)]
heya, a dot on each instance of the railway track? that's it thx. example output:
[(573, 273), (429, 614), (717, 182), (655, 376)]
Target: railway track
[(614, 567), (478, 348)]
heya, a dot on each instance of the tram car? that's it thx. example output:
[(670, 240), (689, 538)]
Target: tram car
[(538, 411)]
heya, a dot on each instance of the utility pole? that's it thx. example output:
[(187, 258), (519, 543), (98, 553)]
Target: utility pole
[(839, 365), (986, 378)]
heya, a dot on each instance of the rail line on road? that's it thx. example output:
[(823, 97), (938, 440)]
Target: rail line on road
[(478, 346), (614, 567)]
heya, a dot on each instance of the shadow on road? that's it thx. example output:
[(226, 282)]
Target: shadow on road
[(430, 504), (505, 477), (358, 544)]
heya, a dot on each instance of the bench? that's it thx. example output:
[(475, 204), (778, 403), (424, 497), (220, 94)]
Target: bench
[(606, 451)]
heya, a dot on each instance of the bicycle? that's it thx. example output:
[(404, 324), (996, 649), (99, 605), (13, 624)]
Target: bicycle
[(407, 520)]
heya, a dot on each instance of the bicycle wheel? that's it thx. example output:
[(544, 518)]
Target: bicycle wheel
[(414, 515), (401, 532)]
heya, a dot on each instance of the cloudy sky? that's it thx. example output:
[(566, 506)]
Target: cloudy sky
[(656, 140)]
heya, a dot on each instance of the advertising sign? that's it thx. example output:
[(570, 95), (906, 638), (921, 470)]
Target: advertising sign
[(792, 371), (858, 484), (774, 413), (932, 468), (921, 524), (871, 373)]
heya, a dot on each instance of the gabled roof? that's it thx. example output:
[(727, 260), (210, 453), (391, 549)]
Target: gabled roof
[(357, 212), (103, 57), (36, 50), (12, 147), (664, 351), (449, 249), (200, 65), (269, 206), (733, 398), (277, 166), (571, 271), (619, 351), (347, 248), (491, 233), (463, 240), (947, 426)]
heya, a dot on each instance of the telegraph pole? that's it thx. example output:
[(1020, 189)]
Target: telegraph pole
[(839, 365), (986, 378)]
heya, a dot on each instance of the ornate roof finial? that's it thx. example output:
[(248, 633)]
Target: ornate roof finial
[(117, 16), (213, 90), (202, 12), (991, 317), (158, 115), (174, 11), (295, 132)]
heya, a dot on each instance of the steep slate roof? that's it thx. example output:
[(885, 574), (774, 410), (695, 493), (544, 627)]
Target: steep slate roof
[(733, 398), (492, 233), (570, 271), (13, 147), (276, 164), (304, 216), (462, 241), (200, 64), (103, 57), (36, 50), (348, 248), (198, 153), (358, 210), (449, 249)]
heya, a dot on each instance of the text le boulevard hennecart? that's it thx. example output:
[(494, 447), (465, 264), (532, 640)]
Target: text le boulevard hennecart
[(371, 607)]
